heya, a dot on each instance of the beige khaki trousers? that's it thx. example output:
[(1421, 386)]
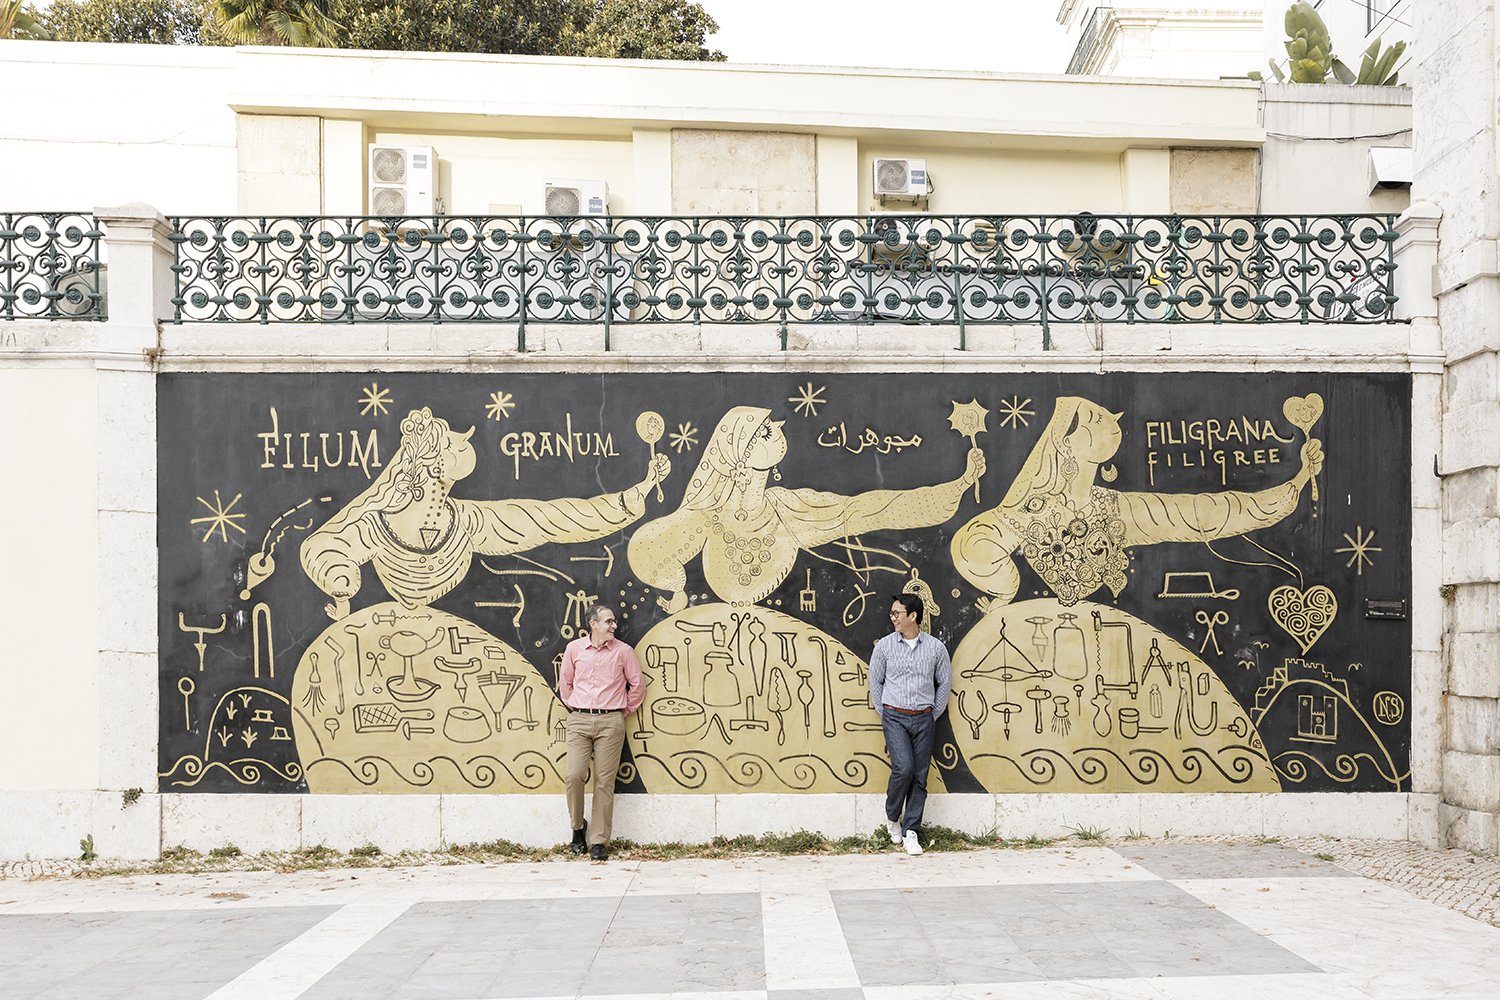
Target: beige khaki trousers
[(594, 740)]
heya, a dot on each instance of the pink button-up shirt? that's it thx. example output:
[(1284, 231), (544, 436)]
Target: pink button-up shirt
[(607, 676)]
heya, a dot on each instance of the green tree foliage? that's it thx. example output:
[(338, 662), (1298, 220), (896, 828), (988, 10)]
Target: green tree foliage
[(645, 29), (610, 29), (18, 20), (631, 29), (150, 22), (279, 22), (521, 27)]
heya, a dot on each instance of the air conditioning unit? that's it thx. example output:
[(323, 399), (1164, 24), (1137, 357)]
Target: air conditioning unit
[(571, 197), (905, 178), (402, 180)]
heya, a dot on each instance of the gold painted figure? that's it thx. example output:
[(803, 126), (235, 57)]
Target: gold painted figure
[(400, 696), (1105, 701), (743, 697)]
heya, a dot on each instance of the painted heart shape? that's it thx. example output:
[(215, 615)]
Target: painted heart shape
[(1304, 614), (1303, 411)]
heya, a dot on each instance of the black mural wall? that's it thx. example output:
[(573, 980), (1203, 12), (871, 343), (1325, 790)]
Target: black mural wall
[(1148, 582)]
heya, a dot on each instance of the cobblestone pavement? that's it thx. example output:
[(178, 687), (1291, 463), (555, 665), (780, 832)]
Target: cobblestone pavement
[(1464, 882)]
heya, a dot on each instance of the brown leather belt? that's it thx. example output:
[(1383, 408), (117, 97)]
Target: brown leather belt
[(910, 711)]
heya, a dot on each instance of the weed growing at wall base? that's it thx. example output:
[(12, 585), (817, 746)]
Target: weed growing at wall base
[(185, 860)]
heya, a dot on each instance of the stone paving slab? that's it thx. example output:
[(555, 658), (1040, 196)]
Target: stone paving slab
[(166, 955), (1177, 861)]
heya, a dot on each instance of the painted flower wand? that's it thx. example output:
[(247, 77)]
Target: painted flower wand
[(968, 419), (650, 426)]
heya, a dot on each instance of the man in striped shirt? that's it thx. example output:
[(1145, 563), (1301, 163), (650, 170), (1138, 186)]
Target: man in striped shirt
[(910, 680)]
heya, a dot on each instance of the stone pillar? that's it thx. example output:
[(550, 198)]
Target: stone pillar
[(1454, 131), (140, 295), (140, 257), (1415, 255)]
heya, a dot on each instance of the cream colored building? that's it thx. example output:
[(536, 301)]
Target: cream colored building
[(1186, 39), (204, 131)]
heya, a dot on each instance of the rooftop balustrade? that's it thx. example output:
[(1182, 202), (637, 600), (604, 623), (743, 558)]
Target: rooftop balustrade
[(50, 266), (914, 269)]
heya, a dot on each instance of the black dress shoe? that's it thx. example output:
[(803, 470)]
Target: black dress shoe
[(580, 840), (598, 853)]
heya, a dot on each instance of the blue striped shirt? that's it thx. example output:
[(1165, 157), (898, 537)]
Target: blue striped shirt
[(910, 677)]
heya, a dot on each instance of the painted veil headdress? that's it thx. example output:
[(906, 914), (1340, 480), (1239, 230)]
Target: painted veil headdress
[(1075, 552), (723, 465)]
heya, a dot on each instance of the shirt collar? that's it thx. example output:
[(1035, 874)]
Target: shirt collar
[(603, 645)]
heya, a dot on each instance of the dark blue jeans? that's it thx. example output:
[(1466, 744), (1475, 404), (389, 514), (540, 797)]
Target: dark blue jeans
[(908, 739)]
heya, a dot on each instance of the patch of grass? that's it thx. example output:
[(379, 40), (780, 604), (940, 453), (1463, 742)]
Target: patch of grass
[(1089, 833), (671, 851), (366, 850), (130, 797), (796, 842), (227, 851), (498, 848), (942, 838), (316, 852), (86, 845), (1132, 834), (1269, 840), (178, 853), (856, 844), (1033, 840), (1322, 856)]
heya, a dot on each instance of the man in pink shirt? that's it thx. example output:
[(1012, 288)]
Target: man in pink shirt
[(600, 683)]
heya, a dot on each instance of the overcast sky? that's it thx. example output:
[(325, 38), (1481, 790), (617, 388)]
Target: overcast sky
[(1005, 36)]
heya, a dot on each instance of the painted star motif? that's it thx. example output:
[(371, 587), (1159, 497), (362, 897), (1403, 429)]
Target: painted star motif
[(500, 405), (1359, 548), (220, 517), (685, 437), (808, 399), (374, 400), (1013, 412)]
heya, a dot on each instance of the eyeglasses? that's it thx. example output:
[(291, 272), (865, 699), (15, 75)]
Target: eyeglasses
[(902, 614)]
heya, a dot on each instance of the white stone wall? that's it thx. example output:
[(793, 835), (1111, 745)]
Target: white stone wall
[(1316, 158), (1455, 111), (119, 359), (148, 121)]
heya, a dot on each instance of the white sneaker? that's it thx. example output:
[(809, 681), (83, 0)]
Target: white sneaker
[(910, 843), (893, 829)]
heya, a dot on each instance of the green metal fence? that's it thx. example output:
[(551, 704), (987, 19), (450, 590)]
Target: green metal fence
[(50, 266), (926, 269)]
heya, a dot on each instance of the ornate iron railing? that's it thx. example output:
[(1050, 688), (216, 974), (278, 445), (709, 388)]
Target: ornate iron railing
[(50, 266), (881, 268)]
